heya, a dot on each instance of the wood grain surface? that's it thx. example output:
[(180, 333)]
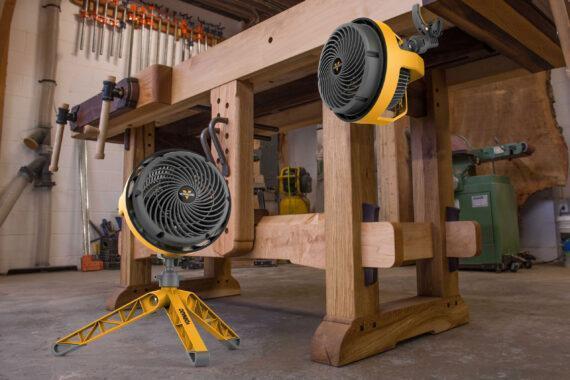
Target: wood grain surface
[(516, 109)]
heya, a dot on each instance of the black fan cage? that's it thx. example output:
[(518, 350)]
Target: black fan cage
[(352, 67), (178, 201)]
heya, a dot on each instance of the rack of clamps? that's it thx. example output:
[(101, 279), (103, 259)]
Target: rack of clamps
[(178, 35)]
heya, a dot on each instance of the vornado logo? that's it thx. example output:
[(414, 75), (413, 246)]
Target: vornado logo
[(337, 66), (186, 194), (184, 316)]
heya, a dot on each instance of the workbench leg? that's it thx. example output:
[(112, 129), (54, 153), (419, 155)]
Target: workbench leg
[(234, 101), (135, 274), (431, 168), (349, 174)]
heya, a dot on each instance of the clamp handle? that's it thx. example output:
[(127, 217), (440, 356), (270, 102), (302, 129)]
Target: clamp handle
[(428, 33), (61, 121), (108, 96), (211, 130)]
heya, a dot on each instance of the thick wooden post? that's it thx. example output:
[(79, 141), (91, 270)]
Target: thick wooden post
[(433, 186), (395, 179), (349, 168), (135, 274), (234, 101)]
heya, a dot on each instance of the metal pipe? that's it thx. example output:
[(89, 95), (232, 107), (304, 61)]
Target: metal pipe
[(36, 137), (84, 189), (12, 192), (49, 15)]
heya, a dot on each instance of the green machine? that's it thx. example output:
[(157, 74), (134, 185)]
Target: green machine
[(491, 201)]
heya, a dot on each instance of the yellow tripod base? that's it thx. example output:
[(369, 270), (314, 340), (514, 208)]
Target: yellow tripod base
[(182, 308)]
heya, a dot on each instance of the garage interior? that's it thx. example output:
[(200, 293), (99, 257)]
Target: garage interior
[(351, 189)]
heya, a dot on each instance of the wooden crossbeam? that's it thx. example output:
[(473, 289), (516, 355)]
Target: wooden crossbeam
[(301, 239), (511, 29)]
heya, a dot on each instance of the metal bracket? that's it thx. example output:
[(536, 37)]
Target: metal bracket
[(428, 33), (211, 130)]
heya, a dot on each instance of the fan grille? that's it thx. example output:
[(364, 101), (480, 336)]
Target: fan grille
[(342, 66), (180, 202), (351, 69)]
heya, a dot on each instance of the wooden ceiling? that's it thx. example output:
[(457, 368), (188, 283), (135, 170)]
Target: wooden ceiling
[(249, 11)]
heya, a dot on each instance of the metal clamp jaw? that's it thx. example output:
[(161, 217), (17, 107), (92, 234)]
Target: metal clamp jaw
[(428, 33), (63, 116), (211, 131)]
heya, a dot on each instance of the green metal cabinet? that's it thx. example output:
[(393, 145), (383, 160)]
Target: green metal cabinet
[(491, 201)]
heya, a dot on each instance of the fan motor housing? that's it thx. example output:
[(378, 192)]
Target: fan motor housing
[(176, 202), (363, 71)]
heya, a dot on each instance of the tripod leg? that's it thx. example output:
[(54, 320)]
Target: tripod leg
[(208, 319), (127, 314), (180, 317)]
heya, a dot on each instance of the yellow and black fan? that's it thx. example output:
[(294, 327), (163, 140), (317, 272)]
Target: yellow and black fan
[(365, 68), (176, 202)]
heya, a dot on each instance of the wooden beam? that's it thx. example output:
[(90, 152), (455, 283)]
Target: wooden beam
[(296, 117), (234, 101), (297, 36), (6, 13), (432, 186), (503, 28), (134, 271), (561, 15), (301, 239), (273, 44), (347, 297), (396, 201), (488, 70)]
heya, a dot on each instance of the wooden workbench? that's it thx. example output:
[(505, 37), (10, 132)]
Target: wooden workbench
[(266, 76)]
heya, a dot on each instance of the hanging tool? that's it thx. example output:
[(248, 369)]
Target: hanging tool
[(206, 32), (199, 34), (113, 24), (83, 14), (142, 11), (122, 25), (103, 21), (133, 18), (150, 23), (159, 35), (175, 38), (166, 51), (95, 27), (183, 32)]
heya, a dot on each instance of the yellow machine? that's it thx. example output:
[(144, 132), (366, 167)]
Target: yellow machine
[(294, 183), (175, 202), (365, 69)]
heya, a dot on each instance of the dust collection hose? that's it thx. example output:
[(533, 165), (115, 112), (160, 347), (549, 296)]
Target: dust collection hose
[(16, 186)]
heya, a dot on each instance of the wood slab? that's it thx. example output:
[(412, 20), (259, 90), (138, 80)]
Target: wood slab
[(512, 110), (300, 238)]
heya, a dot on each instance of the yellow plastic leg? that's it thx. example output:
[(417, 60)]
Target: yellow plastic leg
[(209, 320), (180, 306), (125, 315)]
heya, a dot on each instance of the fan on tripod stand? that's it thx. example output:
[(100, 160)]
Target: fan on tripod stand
[(175, 202)]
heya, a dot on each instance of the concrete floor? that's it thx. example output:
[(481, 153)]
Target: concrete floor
[(520, 328)]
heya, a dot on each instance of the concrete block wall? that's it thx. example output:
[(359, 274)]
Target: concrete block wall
[(79, 76)]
